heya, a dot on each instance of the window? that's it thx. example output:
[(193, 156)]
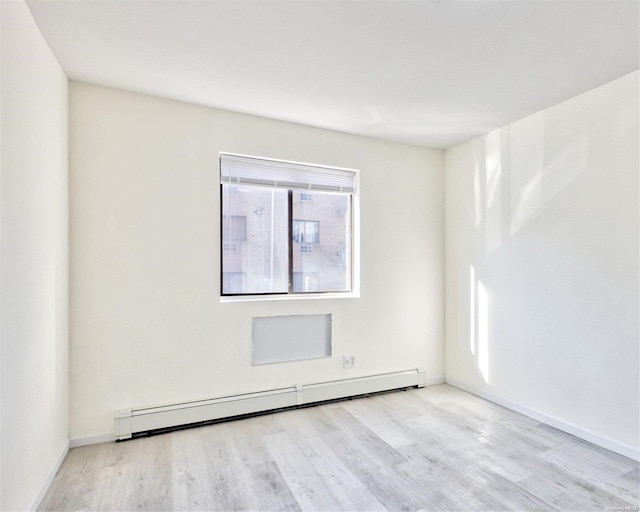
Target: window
[(306, 231), (282, 252)]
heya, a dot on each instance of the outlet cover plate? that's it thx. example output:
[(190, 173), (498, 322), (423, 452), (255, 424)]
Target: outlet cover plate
[(348, 361)]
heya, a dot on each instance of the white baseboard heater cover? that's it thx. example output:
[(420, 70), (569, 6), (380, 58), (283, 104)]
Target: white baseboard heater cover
[(129, 422)]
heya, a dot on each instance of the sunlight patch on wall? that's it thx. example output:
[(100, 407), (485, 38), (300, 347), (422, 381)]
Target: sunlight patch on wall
[(483, 332), (472, 310), (546, 157), (559, 172), (626, 118), (477, 194), (528, 203), (526, 157), (493, 169)]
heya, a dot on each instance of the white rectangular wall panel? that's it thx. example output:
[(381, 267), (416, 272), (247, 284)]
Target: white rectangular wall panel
[(278, 339)]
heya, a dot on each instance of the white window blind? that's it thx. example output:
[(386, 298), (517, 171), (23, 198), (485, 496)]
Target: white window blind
[(274, 173)]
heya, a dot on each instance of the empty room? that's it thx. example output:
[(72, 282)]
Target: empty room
[(320, 255)]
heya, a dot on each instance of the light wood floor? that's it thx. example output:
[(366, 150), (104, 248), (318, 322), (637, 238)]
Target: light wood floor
[(436, 448)]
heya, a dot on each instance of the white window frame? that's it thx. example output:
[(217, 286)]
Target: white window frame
[(355, 246)]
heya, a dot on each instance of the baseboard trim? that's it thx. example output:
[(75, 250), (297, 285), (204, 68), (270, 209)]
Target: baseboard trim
[(104, 437), (569, 428), (44, 487), (108, 437), (147, 420)]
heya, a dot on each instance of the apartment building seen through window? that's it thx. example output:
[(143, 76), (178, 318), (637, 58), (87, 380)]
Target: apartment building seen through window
[(286, 228)]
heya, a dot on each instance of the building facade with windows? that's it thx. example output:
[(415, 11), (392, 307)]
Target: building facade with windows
[(263, 254)]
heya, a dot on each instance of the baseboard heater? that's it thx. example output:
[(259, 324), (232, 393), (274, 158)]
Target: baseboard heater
[(145, 420)]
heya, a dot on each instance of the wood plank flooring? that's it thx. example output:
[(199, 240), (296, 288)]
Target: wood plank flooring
[(437, 448)]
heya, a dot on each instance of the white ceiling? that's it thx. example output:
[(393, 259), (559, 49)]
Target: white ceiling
[(430, 72)]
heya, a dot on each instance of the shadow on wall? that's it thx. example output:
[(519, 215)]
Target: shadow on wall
[(517, 170)]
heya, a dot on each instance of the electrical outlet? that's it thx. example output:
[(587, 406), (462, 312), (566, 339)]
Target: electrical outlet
[(349, 361)]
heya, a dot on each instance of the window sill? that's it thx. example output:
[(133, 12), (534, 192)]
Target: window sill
[(298, 296)]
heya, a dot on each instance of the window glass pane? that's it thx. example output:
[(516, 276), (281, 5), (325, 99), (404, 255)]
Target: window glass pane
[(257, 218), (305, 281), (233, 282), (326, 223), (312, 232), (298, 231), (306, 231), (234, 227)]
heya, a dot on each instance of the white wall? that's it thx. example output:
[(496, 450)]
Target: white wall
[(544, 213), (34, 331), (147, 325)]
